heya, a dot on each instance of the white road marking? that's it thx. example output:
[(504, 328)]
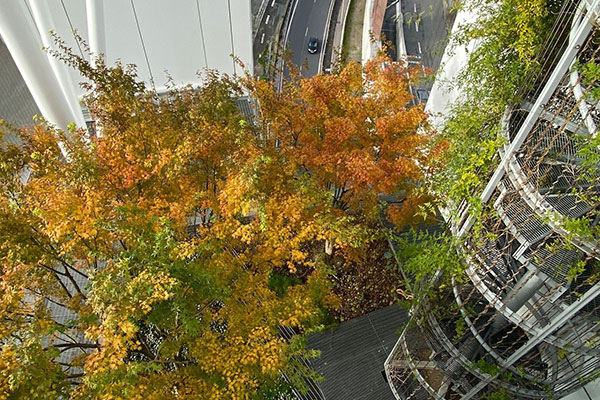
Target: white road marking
[(320, 65), (273, 3), (306, 33), (267, 20), (415, 7), (418, 45), (417, 26), (287, 32), (262, 38)]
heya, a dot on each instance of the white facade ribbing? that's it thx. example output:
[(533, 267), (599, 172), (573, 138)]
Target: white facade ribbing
[(175, 39)]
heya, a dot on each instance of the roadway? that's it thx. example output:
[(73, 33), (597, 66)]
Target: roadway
[(274, 11), (309, 18), (427, 24)]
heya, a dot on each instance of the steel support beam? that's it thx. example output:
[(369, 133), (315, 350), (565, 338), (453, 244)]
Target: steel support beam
[(43, 20), (21, 37)]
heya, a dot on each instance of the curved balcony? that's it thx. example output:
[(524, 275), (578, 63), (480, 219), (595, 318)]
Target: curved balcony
[(448, 365), (542, 158), (527, 319), (540, 191), (410, 371), (544, 170), (549, 366)]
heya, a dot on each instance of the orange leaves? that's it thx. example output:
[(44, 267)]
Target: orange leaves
[(161, 237), (357, 129), (405, 215)]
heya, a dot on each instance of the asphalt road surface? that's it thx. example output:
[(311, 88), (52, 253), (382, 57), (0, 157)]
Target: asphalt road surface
[(267, 30), (426, 28), (309, 18)]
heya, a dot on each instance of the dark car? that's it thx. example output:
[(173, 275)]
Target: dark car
[(313, 45)]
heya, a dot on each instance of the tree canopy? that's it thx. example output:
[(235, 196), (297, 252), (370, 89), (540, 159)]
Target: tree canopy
[(142, 262)]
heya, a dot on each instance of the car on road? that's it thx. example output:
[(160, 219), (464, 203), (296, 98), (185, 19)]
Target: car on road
[(313, 45)]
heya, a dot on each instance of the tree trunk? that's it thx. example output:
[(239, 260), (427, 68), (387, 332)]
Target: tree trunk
[(328, 247)]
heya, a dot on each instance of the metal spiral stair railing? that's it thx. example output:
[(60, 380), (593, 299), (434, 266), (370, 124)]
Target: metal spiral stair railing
[(530, 305)]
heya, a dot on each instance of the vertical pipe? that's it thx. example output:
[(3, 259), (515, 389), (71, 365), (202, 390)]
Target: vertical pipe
[(525, 288), (21, 37)]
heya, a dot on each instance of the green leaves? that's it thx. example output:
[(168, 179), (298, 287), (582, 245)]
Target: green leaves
[(279, 283), (182, 237), (508, 37), (27, 371), (590, 72), (421, 257)]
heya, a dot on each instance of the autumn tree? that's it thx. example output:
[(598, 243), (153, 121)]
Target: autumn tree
[(139, 262), (356, 133)]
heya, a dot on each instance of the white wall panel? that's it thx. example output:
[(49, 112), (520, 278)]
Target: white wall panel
[(241, 17), (177, 38), (73, 11), (172, 35), (173, 41), (122, 37), (217, 34)]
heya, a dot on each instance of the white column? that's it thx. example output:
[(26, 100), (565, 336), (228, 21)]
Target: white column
[(43, 19), (95, 22), (21, 38)]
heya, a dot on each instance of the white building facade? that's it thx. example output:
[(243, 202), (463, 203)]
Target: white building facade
[(173, 39)]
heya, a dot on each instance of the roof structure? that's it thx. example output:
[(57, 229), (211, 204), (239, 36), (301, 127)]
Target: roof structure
[(352, 355)]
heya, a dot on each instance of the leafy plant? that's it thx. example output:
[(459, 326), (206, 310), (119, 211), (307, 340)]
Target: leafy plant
[(182, 237)]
